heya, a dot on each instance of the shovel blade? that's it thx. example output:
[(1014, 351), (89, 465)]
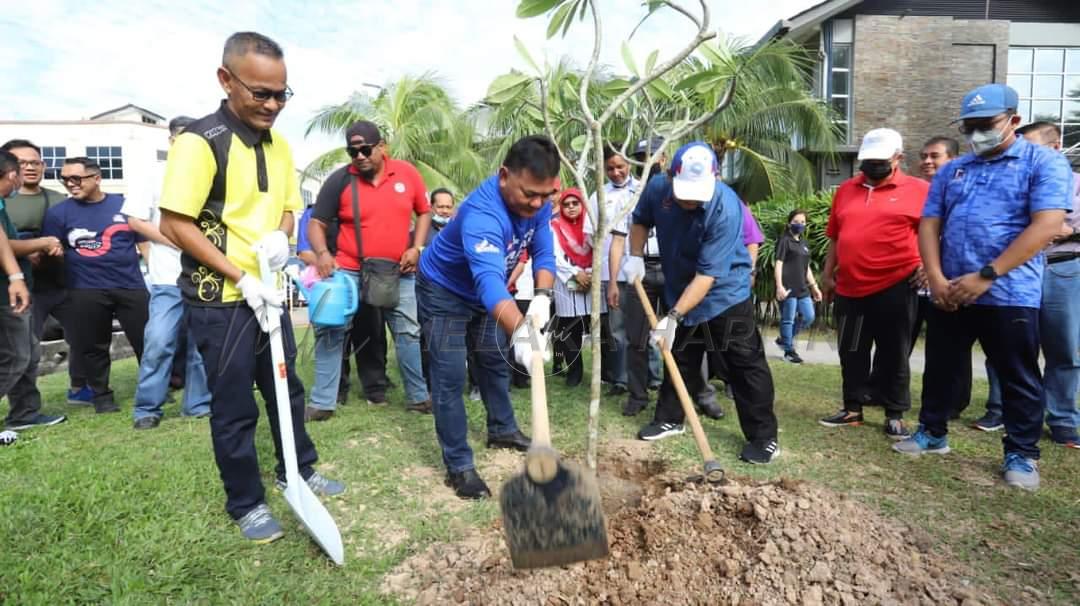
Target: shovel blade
[(552, 524), (316, 519)]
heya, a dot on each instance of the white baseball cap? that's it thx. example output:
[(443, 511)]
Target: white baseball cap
[(880, 144), (694, 170)]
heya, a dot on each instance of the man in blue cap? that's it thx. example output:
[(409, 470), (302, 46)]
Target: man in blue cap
[(987, 217), (706, 268), (466, 308)]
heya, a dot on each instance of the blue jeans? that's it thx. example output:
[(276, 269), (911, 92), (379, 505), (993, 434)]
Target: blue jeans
[(1059, 322), (167, 319), (789, 329), (454, 328), (406, 330)]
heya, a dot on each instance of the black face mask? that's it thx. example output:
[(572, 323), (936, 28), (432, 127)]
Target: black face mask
[(876, 170)]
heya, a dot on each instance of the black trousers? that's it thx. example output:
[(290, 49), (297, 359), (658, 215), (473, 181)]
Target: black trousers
[(734, 337), (366, 341), (236, 354), (567, 346), (19, 355), (1010, 338), (87, 318), (47, 303), (519, 375), (961, 397), (637, 337), (882, 322)]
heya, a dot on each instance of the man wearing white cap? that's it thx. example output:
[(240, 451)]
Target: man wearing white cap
[(874, 271), (706, 268)]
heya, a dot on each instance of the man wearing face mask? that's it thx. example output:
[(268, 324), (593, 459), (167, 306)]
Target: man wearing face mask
[(873, 268), (988, 216)]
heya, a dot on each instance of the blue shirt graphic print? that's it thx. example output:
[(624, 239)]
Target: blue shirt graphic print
[(99, 247), (474, 254)]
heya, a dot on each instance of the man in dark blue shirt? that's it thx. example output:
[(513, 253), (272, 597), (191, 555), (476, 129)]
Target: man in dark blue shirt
[(706, 268), (988, 216), (102, 276), (466, 308)]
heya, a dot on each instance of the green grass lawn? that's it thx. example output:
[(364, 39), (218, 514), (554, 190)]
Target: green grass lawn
[(93, 512)]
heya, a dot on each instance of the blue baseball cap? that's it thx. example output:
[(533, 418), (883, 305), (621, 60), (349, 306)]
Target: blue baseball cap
[(693, 171), (988, 101)]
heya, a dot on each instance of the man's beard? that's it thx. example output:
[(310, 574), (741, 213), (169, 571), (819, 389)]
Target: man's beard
[(368, 173)]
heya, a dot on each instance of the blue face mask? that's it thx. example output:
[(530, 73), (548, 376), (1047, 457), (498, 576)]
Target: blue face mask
[(797, 228)]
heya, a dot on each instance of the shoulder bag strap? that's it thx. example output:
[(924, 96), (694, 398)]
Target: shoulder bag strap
[(355, 185)]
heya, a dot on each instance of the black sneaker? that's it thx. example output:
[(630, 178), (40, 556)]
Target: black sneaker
[(103, 403), (38, 420), (631, 408), (616, 390), (894, 429), (423, 407), (760, 452), (511, 441), (988, 422), (793, 357), (711, 410), (468, 485), (843, 418), (147, 422), (659, 431)]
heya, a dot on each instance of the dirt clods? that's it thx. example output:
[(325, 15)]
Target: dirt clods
[(679, 542)]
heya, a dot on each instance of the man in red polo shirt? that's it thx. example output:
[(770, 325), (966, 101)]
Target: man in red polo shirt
[(874, 269), (389, 194)]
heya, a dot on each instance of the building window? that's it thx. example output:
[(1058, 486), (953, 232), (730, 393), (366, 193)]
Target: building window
[(307, 197), (148, 120), (1048, 81), (53, 157), (110, 160), (840, 87), (162, 155)]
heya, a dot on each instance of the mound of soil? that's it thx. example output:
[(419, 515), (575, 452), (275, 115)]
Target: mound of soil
[(675, 541)]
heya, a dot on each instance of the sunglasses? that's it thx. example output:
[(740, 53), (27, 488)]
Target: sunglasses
[(358, 150), (571, 202), (263, 95), (75, 179)]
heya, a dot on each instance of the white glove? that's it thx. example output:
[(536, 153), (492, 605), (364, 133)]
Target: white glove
[(275, 245), (264, 300), (634, 268), (539, 308), (522, 340), (664, 333)]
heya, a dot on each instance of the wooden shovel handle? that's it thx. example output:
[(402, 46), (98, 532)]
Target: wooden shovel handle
[(677, 381), (541, 437)]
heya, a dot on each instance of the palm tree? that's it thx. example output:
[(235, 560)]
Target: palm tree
[(772, 115), (421, 124)]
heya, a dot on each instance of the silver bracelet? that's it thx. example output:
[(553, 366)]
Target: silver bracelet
[(16, 276)]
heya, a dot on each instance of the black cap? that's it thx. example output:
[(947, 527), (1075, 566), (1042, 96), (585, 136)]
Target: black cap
[(179, 124), (364, 129)]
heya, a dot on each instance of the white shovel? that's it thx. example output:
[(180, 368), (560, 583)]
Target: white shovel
[(312, 513)]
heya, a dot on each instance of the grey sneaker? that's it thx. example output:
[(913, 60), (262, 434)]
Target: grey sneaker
[(1020, 471), (921, 442), (259, 525), (321, 486)]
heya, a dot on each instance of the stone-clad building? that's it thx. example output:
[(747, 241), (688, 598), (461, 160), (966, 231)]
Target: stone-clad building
[(905, 64)]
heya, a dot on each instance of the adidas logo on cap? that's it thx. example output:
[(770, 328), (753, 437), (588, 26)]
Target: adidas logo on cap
[(977, 100)]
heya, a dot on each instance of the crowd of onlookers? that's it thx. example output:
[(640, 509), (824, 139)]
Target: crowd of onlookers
[(951, 250)]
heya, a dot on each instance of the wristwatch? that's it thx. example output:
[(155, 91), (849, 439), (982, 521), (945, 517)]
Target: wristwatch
[(988, 273)]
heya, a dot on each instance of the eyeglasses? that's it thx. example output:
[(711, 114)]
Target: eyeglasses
[(75, 179), (356, 150), (263, 95), (969, 126), (31, 163)]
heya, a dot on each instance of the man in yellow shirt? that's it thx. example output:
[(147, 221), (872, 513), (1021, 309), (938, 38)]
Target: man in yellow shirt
[(230, 184)]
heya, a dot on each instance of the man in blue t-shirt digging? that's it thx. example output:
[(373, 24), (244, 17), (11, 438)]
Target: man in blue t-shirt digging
[(102, 276), (465, 307)]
